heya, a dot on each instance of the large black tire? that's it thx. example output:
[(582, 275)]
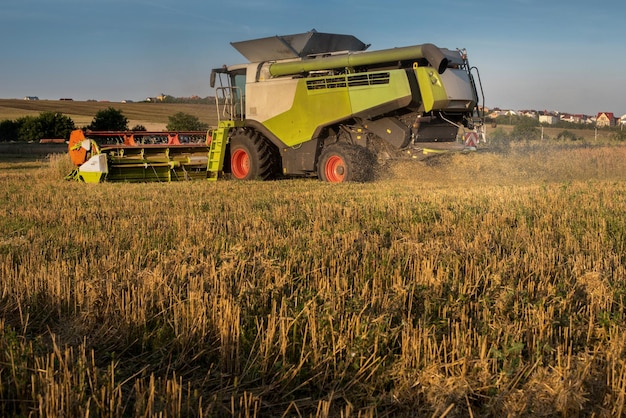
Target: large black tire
[(251, 156), (345, 162)]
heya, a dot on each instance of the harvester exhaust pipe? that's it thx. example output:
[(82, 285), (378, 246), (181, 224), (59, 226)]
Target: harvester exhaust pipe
[(430, 52)]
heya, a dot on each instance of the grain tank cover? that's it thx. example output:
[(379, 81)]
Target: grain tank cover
[(299, 45)]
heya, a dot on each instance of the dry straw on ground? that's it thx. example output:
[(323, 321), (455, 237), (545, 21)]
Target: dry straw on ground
[(471, 285)]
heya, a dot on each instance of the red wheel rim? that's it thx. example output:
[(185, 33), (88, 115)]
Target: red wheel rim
[(335, 169), (240, 164)]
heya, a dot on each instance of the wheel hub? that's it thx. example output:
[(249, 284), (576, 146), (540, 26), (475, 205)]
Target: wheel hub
[(335, 169), (240, 164)]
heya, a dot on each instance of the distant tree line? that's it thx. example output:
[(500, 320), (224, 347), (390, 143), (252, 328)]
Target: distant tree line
[(34, 128), (182, 121), (58, 125), (166, 98)]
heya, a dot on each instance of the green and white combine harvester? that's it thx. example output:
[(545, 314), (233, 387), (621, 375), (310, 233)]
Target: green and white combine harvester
[(311, 104)]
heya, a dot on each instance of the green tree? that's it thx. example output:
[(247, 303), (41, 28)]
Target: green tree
[(185, 122), (9, 130), (55, 125), (46, 125), (526, 129), (109, 119), (525, 132), (29, 128), (567, 135)]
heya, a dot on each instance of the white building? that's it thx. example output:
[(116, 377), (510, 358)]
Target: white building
[(549, 119)]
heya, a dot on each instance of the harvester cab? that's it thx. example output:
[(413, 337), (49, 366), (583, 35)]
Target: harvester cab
[(230, 92)]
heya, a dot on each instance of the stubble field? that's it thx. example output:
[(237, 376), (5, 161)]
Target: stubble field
[(469, 285)]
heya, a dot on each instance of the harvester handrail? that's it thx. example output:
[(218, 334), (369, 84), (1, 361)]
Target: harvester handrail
[(481, 115)]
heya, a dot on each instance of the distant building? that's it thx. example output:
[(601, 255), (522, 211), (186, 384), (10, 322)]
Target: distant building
[(31, 98), (605, 119), (499, 112), (549, 119), (528, 113), (579, 118)]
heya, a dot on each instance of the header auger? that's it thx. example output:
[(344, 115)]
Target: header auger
[(319, 104)]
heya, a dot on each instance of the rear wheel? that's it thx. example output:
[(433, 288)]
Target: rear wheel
[(251, 157), (345, 162)]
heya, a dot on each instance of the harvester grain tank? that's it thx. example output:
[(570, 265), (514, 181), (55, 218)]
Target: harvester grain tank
[(320, 104)]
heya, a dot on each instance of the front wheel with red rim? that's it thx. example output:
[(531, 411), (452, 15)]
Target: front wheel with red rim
[(341, 162), (240, 163), (335, 169), (252, 156)]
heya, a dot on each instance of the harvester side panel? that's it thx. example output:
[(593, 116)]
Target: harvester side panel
[(374, 94), (450, 91), (460, 91), (318, 102), (265, 100)]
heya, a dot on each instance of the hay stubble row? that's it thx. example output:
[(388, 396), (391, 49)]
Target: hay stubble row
[(473, 285)]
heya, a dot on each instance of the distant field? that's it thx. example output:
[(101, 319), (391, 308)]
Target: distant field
[(588, 134), (154, 116)]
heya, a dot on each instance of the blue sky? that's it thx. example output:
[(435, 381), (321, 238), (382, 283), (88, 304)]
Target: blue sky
[(556, 55)]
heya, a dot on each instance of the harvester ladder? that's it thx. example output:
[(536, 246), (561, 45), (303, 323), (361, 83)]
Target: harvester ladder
[(217, 150)]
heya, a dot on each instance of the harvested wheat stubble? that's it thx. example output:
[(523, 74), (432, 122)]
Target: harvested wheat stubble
[(481, 285)]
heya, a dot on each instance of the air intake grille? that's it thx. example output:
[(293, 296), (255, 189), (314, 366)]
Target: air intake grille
[(357, 80)]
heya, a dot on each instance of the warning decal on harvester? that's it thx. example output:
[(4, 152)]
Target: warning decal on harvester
[(471, 139)]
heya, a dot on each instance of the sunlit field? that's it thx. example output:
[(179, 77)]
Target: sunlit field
[(153, 116), (463, 286)]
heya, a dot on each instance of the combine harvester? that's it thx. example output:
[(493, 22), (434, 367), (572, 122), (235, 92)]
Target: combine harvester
[(312, 104)]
